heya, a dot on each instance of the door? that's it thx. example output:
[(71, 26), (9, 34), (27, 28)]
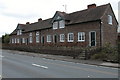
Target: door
[(42, 39), (55, 38), (92, 38), (27, 40)]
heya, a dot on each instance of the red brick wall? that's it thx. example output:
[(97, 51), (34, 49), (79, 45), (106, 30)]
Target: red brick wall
[(84, 27), (109, 31)]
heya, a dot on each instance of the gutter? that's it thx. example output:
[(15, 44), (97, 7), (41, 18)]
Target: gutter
[(100, 34)]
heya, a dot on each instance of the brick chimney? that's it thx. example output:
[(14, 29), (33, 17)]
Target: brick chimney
[(27, 22), (91, 6), (40, 19)]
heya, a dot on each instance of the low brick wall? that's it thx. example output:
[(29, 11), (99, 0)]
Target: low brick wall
[(65, 51)]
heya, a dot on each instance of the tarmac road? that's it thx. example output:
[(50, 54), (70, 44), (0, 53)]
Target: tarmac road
[(23, 66)]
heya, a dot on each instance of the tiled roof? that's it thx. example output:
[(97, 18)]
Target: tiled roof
[(86, 15), (43, 24)]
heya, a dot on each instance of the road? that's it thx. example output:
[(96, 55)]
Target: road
[(23, 66)]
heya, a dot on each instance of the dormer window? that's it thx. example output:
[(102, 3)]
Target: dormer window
[(55, 25), (109, 19), (61, 24), (19, 32)]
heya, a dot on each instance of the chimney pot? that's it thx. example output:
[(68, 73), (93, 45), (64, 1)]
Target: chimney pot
[(91, 6), (27, 22), (40, 19)]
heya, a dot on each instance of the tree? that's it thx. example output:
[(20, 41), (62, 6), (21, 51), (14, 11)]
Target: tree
[(5, 38)]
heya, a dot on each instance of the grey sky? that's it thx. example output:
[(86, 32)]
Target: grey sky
[(13, 12)]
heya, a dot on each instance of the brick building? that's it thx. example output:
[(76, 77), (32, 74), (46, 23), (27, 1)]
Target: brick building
[(94, 26)]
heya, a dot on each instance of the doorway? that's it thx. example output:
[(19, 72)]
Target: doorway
[(92, 38)]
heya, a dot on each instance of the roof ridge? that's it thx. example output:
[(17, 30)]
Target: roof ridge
[(89, 9)]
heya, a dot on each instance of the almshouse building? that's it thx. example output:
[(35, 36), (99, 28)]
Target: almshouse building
[(94, 26)]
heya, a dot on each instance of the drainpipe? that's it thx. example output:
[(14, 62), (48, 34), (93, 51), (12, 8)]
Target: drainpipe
[(101, 33)]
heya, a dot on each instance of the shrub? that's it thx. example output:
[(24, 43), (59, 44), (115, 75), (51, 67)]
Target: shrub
[(107, 53)]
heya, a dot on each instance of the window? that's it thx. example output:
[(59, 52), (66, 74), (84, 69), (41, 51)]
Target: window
[(37, 37), (48, 38), (70, 37), (55, 25), (12, 40), (61, 24), (109, 19), (15, 40), (23, 40), (30, 37), (81, 36), (62, 37), (19, 32), (18, 41)]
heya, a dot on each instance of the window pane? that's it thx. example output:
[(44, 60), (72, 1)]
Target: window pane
[(37, 38), (20, 32), (18, 41), (55, 25), (70, 37), (81, 36), (109, 19), (30, 34), (30, 39), (61, 24), (15, 40), (48, 38), (62, 37), (23, 40), (12, 40)]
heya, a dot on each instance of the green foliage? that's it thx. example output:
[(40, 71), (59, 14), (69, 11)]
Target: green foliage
[(5, 38), (107, 53)]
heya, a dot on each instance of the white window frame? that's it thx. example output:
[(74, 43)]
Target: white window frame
[(69, 36), (49, 38), (18, 32), (15, 40), (109, 19), (81, 36), (55, 25), (62, 38), (18, 40), (12, 40), (30, 38), (37, 37), (62, 24), (23, 40)]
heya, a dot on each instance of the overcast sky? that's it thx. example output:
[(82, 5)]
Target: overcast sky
[(13, 12)]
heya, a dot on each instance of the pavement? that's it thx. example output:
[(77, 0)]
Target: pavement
[(67, 58)]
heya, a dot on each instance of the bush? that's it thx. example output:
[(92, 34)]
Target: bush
[(5, 38), (107, 53)]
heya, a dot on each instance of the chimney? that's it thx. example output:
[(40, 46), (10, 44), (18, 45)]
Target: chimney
[(40, 19), (91, 6), (27, 22)]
